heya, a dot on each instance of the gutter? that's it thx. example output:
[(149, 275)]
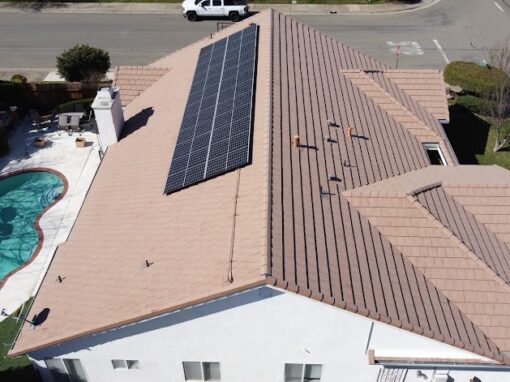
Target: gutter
[(435, 363)]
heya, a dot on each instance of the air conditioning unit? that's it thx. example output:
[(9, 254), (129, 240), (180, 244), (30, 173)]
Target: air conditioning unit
[(442, 377)]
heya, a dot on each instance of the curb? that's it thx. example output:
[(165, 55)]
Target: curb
[(175, 8)]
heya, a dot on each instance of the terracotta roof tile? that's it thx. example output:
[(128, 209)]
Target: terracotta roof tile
[(335, 220), (134, 80)]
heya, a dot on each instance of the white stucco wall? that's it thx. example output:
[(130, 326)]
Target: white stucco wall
[(109, 116), (253, 334)]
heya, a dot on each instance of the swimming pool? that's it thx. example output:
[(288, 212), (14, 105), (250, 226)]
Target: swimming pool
[(22, 199)]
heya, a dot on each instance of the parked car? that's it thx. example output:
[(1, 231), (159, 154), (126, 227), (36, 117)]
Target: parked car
[(233, 9)]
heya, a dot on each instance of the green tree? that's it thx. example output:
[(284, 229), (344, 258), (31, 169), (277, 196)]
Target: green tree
[(499, 95), (83, 63)]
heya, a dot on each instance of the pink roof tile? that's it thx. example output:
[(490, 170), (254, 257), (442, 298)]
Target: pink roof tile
[(134, 80), (336, 219)]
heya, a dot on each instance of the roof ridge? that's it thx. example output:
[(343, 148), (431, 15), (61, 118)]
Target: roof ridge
[(401, 324), (213, 35), (458, 242), (408, 114), (393, 100)]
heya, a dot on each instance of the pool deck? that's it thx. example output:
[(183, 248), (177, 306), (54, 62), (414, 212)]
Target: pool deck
[(79, 166)]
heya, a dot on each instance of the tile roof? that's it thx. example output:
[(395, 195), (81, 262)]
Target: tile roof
[(134, 80), (447, 244), (193, 239), (427, 87), (344, 218)]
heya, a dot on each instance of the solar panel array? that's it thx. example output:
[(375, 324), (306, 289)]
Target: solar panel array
[(215, 134)]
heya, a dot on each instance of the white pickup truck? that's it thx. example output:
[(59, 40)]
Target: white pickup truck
[(233, 9)]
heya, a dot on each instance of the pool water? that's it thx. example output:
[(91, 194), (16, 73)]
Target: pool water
[(22, 198)]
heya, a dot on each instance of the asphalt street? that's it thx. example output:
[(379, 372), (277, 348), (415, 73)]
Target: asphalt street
[(449, 30)]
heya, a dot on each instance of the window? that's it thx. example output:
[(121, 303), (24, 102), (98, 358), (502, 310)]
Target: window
[(201, 371), (125, 364), (66, 370), (206, 3), (297, 372), (216, 3), (234, 2), (434, 153)]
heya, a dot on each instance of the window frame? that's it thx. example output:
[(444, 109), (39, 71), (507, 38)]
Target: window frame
[(126, 365), (304, 367), (202, 370), (62, 361), (434, 146)]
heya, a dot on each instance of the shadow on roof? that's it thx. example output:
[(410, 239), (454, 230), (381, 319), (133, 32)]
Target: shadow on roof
[(137, 121)]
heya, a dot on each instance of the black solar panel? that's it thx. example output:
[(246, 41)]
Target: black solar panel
[(215, 132)]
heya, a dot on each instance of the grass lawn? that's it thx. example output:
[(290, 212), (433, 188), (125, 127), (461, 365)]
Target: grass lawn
[(18, 368), (473, 138)]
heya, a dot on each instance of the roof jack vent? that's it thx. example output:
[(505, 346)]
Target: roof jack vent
[(60, 278), (296, 142), (334, 178), (346, 163), (349, 132), (324, 193), (148, 263), (332, 123), (328, 139)]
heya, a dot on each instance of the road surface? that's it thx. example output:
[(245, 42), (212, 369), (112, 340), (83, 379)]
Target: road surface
[(429, 38)]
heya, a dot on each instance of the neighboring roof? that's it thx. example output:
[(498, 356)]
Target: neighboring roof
[(339, 219), (134, 80)]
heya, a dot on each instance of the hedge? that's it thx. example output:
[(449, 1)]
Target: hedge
[(15, 93), (475, 104), (473, 78)]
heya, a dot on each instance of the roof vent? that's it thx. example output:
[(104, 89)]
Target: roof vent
[(332, 123), (296, 142)]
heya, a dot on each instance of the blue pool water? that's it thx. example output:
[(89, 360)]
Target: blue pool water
[(22, 198)]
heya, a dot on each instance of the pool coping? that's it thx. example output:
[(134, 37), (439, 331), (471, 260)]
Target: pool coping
[(37, 227)]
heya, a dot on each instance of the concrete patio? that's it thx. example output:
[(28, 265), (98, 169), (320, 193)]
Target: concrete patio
[(79, 166)]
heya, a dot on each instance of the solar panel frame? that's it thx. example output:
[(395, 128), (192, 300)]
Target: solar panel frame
[(216, 130)]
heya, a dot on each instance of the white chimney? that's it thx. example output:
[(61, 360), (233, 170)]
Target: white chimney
[(109, 116)]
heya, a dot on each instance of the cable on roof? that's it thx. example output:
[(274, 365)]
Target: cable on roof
[(230, 275)]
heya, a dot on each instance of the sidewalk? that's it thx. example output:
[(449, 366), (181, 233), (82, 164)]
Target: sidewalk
[(175, 8)]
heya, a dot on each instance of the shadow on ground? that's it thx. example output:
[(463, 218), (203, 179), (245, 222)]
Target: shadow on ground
[(467, 133), (20, 374)]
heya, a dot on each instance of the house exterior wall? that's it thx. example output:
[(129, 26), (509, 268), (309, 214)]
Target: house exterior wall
[(253, 334)]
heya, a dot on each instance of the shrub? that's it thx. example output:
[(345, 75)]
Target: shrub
[(19, 79), (4, 140), (473, 78), (475, 104), (68, 106), (83, 63), (15, 93)]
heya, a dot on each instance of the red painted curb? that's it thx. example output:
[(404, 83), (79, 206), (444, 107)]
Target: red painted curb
[(37, 227)]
